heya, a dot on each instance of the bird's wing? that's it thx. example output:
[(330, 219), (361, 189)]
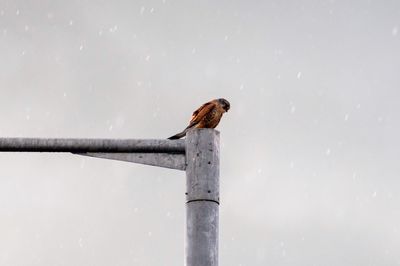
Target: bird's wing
[(201, 112)]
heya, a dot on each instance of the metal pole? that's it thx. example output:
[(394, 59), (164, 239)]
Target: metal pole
[(202, 197), (92, 145)]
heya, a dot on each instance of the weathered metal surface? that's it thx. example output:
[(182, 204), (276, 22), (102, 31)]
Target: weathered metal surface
[(202, 196), (202, 153), (202, 233), (92, 145), (198, 154), (173, 161)]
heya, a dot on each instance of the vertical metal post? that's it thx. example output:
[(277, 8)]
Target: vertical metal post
[(202, 197)]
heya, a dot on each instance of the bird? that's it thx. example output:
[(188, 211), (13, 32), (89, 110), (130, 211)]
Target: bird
[(206, 116)]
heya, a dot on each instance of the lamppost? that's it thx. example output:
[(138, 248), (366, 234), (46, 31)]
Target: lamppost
[(198, 155)]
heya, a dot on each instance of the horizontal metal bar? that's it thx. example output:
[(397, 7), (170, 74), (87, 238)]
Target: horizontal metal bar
[(92, 145)]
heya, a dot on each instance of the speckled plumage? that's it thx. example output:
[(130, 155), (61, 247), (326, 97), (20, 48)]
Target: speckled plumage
[(207, 116)]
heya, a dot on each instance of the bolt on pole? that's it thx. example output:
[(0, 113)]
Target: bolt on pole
[(202, 197)]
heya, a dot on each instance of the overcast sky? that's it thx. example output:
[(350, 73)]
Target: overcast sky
[(310, 149)]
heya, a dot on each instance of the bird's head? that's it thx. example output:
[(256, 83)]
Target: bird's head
[(225, 104)]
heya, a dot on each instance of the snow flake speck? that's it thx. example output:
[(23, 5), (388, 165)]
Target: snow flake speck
[(328, 152), (354, 176), (113, 29), (395, 30)]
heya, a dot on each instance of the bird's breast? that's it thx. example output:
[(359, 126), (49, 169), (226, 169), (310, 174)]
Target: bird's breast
[(211, 119)]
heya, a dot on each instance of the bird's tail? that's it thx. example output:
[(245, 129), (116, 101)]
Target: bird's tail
[(179, 135)]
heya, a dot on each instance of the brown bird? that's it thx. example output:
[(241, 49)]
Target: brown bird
[(207, 116)]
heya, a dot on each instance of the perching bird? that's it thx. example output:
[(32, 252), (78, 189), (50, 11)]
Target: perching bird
[(207, 116)]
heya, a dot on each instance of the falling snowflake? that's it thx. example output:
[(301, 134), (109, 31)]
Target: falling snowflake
[(113, 29), (395, 30), (328, 152)]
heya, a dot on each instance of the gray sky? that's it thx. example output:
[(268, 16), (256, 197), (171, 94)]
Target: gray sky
[(309, 152)]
